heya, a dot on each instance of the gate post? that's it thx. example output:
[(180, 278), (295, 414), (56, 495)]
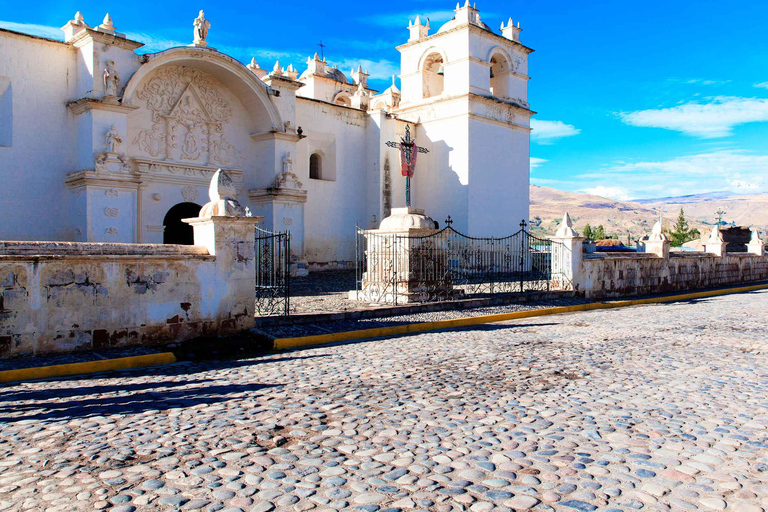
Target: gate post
[(567, 257), (228, 235)]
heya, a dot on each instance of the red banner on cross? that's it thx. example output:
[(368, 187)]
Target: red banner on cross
[(407, 167)]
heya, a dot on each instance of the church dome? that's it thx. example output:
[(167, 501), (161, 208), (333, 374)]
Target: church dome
[(403, 219), (332, 73)]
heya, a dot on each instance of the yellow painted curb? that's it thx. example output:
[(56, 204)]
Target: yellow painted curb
[(320, 339), (106, 365)]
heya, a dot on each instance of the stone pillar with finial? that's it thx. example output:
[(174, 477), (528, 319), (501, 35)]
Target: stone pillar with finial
[(227, 231), (715, 243), (658, 243), (567, 257), (756, 245)]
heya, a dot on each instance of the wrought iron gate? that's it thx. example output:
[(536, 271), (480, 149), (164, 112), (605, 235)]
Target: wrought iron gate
[(273, 272), (448, 265)]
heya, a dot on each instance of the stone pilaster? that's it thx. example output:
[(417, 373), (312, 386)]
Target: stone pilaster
[(568, 257), (715, 244)]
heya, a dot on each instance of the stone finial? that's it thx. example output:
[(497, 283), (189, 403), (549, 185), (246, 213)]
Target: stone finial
[(566, 228), (221, 187), (756, 245), (657, 233), (277, 70), (79, 20), (715, 236), (222, 194), (107, 25), (291, 73)]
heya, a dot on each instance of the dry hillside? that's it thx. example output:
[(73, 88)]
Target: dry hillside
[(637, 217)]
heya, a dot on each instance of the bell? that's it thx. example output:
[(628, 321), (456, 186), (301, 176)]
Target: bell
[(492, 76), (441, 71)]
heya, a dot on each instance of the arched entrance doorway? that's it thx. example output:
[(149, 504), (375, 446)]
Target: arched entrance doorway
[(177, 232)]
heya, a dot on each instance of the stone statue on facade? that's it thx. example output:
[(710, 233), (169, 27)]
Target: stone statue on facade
[(111, 80), (112, 140), (201, 29), (287, 162)]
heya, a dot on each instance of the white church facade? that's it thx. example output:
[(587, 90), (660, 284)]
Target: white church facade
[(112, 146)]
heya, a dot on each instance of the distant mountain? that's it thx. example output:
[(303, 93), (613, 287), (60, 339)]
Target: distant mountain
[(637, 217), (694, 198)]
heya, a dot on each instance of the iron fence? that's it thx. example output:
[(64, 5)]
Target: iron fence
[(446, 265), (273, 272)]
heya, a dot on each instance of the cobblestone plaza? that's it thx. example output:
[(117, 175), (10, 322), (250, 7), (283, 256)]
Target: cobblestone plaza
[(661, 407)]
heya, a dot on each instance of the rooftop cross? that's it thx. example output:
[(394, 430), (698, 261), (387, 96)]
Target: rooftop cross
[(322, 47), (408, 152)]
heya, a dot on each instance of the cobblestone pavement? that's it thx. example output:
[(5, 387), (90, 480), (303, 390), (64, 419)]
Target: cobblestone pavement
[(294, 330), (661, 407)]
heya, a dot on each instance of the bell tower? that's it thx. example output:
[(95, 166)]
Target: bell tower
[(466, 88)]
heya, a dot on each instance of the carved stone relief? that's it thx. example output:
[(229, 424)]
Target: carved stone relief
[(189, 111), (189, 194), (111, 212)]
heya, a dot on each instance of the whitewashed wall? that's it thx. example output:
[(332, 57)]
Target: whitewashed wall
[(41, 80)]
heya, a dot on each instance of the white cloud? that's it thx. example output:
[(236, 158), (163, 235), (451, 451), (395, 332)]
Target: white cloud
[(731, 170), (711, 120), (378, 69), (536, 162), (618, 193), (762, 85), (33, 29), (547, 132)]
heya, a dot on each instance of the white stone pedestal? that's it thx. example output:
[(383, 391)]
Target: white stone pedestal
[(404, 264)]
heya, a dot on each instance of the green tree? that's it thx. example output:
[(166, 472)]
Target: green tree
[(588, 231), (681, 233), (599, 233)]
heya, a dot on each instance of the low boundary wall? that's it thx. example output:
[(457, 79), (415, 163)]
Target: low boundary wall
[(622, 275), (58, 297)]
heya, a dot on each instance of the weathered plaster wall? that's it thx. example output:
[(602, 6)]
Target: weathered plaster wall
[(616, 275), (63, 297)]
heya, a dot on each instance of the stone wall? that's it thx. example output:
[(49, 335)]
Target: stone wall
[(620, 275), (63, 297)]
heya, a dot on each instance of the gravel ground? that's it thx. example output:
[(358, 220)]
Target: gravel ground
[(289, 331), (322, 292), (651, 408)]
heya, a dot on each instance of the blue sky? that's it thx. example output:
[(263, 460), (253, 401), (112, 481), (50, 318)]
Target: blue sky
[(635, 99)]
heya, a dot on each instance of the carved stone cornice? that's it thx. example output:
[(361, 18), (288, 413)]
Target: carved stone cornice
[(83, 105), (177, 173), (275, 135), (282, 82), (80, 179), (88, 35), (286, 189)]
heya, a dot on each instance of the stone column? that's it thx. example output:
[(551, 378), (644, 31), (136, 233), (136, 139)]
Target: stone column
[(228, 234), (282, 205), (756, 246), (715, 244), (568, 257), (658, 243)]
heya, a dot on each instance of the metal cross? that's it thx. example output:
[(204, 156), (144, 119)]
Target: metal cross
[(720, 214), (408, 146), (322, 47)]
